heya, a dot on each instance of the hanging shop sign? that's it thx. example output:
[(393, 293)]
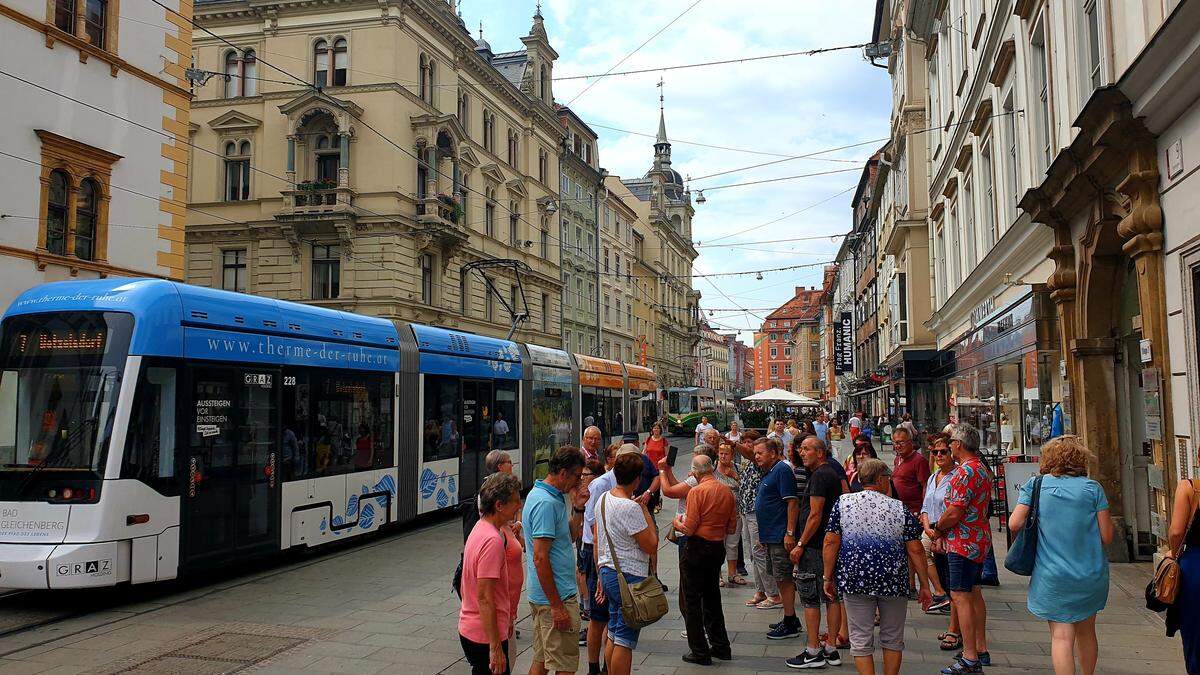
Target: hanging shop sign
[(843, 345)]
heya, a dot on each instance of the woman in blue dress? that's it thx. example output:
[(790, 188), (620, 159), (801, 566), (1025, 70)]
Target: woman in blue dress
[(1070, 578)]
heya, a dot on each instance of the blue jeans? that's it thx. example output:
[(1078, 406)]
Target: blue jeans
[(621, 635)]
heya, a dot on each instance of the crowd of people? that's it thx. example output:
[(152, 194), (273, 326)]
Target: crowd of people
[(843, 547)]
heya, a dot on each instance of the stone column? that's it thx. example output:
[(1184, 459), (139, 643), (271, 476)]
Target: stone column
[(343, 159)]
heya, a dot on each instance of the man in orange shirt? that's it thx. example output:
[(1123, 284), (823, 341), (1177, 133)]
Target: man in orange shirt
[(711, 515)]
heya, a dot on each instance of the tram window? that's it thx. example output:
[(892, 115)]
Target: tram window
[(297, 446), (614, 408), (506, 429), (351, 428), (442, 437), (150, 447)]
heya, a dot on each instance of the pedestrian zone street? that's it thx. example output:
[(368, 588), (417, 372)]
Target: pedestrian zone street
[(385, 606)]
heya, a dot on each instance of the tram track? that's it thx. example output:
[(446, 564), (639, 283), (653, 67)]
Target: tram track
[(20, 613)]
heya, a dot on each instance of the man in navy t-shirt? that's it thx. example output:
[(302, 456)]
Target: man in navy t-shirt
[(777, 511)]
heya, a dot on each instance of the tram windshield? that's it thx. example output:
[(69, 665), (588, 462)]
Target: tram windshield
[(59, 378)]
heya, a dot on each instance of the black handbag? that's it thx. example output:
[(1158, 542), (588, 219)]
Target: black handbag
[(1022, 555)]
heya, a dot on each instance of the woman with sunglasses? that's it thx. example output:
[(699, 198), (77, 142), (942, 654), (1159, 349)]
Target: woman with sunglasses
[(936, 489)]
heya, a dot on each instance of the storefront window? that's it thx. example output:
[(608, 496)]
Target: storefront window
[(1043, 405), (1010, 437)]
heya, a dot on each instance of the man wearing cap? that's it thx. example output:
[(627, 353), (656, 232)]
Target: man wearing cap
[(598, 618)]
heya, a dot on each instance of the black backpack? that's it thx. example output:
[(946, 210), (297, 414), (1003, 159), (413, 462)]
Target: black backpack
[(456, 580)]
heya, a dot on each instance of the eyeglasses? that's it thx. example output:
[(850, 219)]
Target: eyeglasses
[(940, 451), (586, 474)]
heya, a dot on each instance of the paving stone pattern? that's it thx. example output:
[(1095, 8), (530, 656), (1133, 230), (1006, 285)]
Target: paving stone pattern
[(386, 607)]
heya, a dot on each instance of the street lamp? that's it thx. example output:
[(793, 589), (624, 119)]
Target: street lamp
[(700, 199)]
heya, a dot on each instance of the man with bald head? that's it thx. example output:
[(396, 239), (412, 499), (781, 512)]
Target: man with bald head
[(711, 516), (592, 439)]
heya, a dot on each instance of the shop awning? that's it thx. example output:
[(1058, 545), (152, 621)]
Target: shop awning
[(861, 392)]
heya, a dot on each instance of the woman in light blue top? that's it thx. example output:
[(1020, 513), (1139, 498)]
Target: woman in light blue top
[(1070, 578)]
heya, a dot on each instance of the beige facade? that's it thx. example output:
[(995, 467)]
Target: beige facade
[(579, 201), (713, 359), (643, 282), (88, 194), (618, 286), (423, 152)]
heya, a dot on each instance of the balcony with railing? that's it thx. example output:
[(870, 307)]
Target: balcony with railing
[(317, 198)]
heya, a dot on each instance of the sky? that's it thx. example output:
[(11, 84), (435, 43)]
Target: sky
[(789, 106)]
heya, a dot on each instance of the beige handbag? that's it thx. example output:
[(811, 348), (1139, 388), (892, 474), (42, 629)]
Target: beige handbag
[(1166, 575), (642, 603)]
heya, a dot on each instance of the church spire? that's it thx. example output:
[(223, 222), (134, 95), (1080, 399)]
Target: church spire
[(662, 147)]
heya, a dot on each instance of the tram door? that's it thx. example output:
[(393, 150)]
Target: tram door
[(476, 430), (230, 505)]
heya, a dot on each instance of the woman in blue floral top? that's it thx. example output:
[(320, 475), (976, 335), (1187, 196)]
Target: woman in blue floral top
[(873, 541)]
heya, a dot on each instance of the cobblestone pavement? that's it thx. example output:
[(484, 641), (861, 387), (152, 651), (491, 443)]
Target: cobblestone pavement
[(386, 606)]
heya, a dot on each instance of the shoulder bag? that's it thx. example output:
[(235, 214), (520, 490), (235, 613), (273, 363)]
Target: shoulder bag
[(642, 603), (1022, 555), (1167, 574)]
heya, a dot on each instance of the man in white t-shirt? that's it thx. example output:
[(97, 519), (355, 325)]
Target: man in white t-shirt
[(855, 424), (702, 428)]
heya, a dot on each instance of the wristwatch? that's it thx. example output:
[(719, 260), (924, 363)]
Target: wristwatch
[(791, 533)]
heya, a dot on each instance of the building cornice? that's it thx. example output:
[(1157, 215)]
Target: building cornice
[(1024, 245)]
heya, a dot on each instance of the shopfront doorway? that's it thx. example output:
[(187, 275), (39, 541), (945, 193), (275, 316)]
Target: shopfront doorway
[(1136, 449)]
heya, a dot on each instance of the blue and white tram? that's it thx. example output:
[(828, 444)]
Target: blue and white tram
[(150, 428)]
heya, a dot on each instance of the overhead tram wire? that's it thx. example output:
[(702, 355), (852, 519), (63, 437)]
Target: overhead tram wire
[(914, 132), (783, 178), (625, 58), (785, 217), (703, 64)]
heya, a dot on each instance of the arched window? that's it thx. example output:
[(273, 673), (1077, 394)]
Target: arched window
[(341, 60), (64, 15), (232, 79), (514, 218), (321, 63), (237, 171), (463, 107), (423, 88), (249, 73), (545, 80), (57, 212), (85, 219)]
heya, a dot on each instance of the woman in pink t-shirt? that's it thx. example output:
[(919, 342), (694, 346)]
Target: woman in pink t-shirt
[(491, 578)]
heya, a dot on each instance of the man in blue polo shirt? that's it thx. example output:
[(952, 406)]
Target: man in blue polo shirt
[(777, 511), (550, 571)]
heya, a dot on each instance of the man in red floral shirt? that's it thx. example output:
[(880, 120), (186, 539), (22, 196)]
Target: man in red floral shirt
[(967, 537)]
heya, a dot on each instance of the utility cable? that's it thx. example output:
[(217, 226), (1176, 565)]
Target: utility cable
[(625, 58), (806, 52)]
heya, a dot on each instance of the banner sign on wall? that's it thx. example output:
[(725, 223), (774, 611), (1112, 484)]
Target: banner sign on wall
[(843, 345)]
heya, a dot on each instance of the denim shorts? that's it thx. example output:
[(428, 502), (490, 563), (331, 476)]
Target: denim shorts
[(618, 632), (598, 611), (963, 573)]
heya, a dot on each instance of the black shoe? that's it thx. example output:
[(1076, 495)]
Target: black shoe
[(779, 623), (805, 660), (833, 658), (583, 636), (984, 658), (960, 667), (724, 656), (698, 660)]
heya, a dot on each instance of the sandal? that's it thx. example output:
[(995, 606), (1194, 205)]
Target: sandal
[(753, 602), (842, 642), (770, 604), (949, 642), (737, 580), (721, 583)]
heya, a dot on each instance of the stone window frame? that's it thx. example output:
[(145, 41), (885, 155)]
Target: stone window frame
[(79, 162), (78, 34), (330, 42), (240, 82), (1189, 262), (237, 141)]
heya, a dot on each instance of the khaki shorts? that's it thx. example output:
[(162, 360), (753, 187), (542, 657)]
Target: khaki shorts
[(927, 544), (558, 650)]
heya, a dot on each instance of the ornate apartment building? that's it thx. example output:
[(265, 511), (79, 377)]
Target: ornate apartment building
[(713, 356), (368, 175), (88, 194), (788, 346), (581, 181), (665, 206)]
